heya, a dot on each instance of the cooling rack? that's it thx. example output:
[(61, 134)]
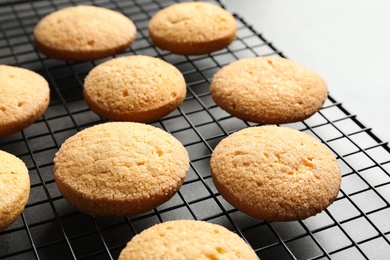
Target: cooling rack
[(355, 226)]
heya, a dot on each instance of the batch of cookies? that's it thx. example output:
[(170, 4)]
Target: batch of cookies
[(126, 167)]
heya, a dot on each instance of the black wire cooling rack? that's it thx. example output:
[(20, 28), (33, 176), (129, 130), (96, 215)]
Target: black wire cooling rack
[(355, 226)]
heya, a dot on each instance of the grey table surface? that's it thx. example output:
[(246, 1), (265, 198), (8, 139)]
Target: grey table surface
[(346, 42)]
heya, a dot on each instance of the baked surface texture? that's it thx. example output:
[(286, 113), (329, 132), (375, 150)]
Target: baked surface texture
[(14, 188), (134, 88), (268, 90), (24, 97), (275, 173), (187, 239), (83, 32), (120, 168), (192, 28)]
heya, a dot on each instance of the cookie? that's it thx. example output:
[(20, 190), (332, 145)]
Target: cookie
[(120, 168), (275, 173), (134, 88), (268, 90), (24, 97), (187, 239), (14, 188), (192, 28), (81, 33)]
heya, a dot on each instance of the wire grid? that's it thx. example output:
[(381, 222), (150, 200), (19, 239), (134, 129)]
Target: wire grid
[(355, 226)]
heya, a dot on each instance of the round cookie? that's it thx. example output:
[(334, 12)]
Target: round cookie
[(187, 239), (134, 88), (80, 33), (268, 90), (275, 173), (24, 97), (14, 188), (120, 168), (192, 28)]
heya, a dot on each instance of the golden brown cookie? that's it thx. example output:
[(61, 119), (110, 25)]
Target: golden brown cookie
[(134, 88), (187, 239), (268, 90), (14, 188), (83, 32), (192, 28), (24, 97), (120, 168), (275, 173)]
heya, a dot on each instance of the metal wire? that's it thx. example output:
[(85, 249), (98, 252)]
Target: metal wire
[(355, 226)]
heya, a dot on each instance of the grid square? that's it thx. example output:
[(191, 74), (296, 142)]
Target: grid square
[(204, 63), (349, 253), (61, 123), (46, 233), (37, 194), (275, 252), (304, 248), (174, 202), (191, 105), (87, 245), (209, 73), (198, 118), (381, 220), (198, 151), (177, 214), (332, 239), (175, 124), (41, 143), (244, 221), (242, 54), (210, 131), (194, 191), (260, 236), (327, 132), (319, 221), (15, 147), (38, 213), (224, 59), (343, 209), (343, 146), (24, 255), (384, 191), (379, 154), (363, 140), (232, 124), (200, 88), (203, 167), (263, 50), (353, 183), (145, 223), (206, 209), (359, 161), (72, 230), (316, 120), (368, 201), (14, 242), (62, 208), (333, 113), (289, 230), (359, 229), (376, 249), (38, 127), (187, 136), (117, 235), (375, 176), (86, 118)]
